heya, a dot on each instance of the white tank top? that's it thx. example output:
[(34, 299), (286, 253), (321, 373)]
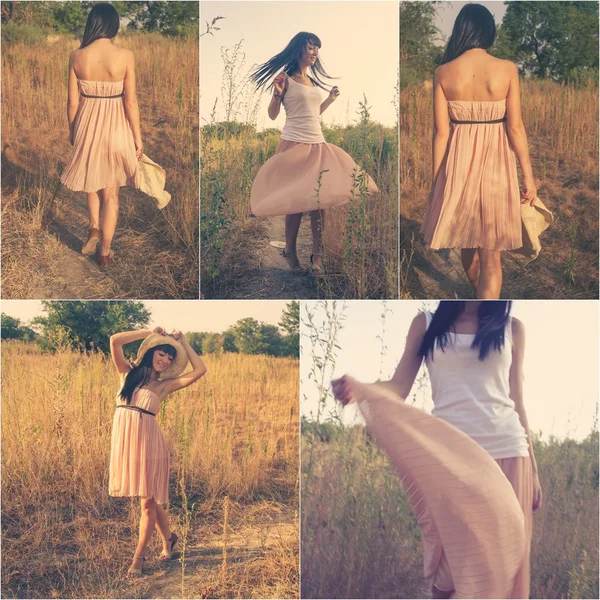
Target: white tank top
[(473, 395), (302, 106)]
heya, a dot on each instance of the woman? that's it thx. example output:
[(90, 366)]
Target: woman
[(306, 174), (475, 200), (469, 470), (139, 460), (104, 126)]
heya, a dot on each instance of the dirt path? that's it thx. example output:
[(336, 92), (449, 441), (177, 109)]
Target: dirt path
[(273, 278), (257, 548)]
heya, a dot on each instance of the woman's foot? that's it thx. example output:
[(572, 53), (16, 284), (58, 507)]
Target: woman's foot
[(137, 564), (291, 259), (104, 260), (317, 264), (167, 552), (92, 241)]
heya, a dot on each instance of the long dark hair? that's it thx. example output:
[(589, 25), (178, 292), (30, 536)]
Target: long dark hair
[(492, 316), (102, 22), (139, 376), (474, 28), (289, 60)]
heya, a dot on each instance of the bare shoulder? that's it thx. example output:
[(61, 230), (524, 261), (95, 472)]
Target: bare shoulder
[(419, 323), (74, 56), (440, 72), (127, 54), (508, 66), (517, 329)]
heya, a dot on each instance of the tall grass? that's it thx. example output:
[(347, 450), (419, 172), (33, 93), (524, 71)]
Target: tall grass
[(562, 128), (361, 238), (36, 148), (234, 434)]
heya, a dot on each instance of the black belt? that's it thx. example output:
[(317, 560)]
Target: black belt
[(456, 122), (140, 410), (90, 96)]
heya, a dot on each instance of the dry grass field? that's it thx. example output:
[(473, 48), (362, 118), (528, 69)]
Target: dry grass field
[(360, 538), (562, 127), (360, 239), (233, 492), (44, 224)]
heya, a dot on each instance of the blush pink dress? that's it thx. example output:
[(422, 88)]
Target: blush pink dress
[(103, 149), (287, 182), (475, 200), (139, 455)]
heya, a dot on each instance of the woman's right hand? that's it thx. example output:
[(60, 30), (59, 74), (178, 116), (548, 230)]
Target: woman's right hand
[(139, 149), (159, 330), (280, 84), (342, 390), (529, 194)]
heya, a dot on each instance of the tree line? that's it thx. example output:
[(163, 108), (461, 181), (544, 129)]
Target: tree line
[(87, 326), (547, 40), (31, 22)]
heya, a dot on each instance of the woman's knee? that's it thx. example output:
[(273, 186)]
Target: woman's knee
[(489, 259), (148, 506)]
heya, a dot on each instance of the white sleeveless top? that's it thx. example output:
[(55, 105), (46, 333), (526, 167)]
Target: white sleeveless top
[(302, 106), (473, 395)]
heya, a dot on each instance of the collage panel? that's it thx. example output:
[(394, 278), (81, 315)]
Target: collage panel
[(499, 150), (124, 417), (100, 173), (300, 121), (478, 438)]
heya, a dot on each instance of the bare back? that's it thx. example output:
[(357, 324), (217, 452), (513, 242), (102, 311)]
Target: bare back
[(475, 76), (101, 61)]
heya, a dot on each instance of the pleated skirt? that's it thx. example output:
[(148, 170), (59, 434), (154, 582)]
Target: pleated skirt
[(103, 147), (475, 513), (305, 177), (139, 457), (475, 200)]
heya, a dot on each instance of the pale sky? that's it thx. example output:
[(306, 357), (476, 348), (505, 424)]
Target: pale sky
[(180, 315), (560, 368), (448, 11), (359, 45)]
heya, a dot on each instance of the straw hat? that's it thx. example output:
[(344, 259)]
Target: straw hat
[(534, 221), (178, 364)]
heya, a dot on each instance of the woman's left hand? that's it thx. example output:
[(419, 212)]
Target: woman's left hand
[(334, 93), (537, 493)]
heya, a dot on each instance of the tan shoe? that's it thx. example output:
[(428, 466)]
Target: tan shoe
[(92, 242), (172, 541), (132, 571)]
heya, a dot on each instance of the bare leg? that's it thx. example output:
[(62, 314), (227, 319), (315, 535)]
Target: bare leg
[(162, 524), (110, 214), (470, 262), (147, 524), (490, 278), (437, 593), (317, 223), (292, 226), (93, 200)]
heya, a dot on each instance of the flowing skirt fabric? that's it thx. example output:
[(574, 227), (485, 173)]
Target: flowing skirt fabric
[(288, 182), (476, 526)]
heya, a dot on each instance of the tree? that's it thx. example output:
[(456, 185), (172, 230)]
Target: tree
[(290, 319), (13, 330), (168, 18), (212, 344), (557, 40), (249, 338), (418, 51), (195, 340), (87, 325)]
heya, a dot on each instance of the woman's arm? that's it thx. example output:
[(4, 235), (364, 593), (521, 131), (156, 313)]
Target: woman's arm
[(516, 395), (118, 340), (441, 126), (406, 371), (333, 94), (516, 133), (132, 111), (198, 368), (280, 85), (72, 98)]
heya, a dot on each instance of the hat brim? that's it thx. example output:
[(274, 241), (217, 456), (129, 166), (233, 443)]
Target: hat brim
[(178, 364)]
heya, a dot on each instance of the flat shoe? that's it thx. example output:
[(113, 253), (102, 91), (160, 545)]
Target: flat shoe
[(104, 260), (92, 241)]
